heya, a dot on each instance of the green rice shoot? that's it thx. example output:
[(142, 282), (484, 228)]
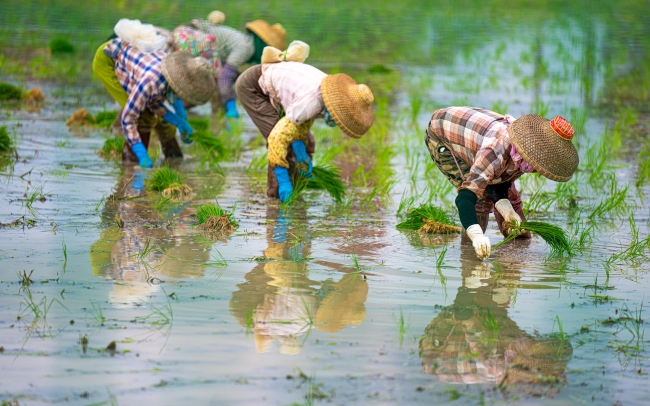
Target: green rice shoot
[(211, 217), (112, 147), (199, 124), (169, 183), (10, 92), (6, 144), (553, 235), (329, 179), (61, 46), (104, 119), (212, 145), (428, 218)]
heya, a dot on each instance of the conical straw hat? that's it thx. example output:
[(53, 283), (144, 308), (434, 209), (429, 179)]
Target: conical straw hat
[(349, 103), (189, 76), (273, 35), (546, 145)]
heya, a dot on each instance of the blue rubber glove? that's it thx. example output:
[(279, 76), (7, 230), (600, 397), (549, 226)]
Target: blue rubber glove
[(231, 109), (280, 233), (300, 150), (284, 183), (180, 109), (138, 181), (141, 152), (182, 125)]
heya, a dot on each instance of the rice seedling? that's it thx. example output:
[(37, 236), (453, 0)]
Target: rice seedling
[(214, 146), (61, 46), (105, 119), (6, 143), (406, 204), (10, 92), (169, 183), (402, 325), (428, 219), (97, 314), (38, 311), (615, 202), (213, 218), (25, 279), (65, 255), (160, 318), (553, 235), (112, 148), (329, 179), (440, 258), (299, 185), (199, 124)]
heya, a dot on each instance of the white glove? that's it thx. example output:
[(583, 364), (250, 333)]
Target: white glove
[(480, 242), (504, 208)]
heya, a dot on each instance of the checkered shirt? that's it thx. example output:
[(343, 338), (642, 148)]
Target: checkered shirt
[(140, 74), (480, 138), (295, 87)]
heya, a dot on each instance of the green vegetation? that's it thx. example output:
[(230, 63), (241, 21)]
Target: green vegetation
[(163, 178), (211, 217), (329, 179), (428, 219), (554, 236), (10, 92), (6, 143), (61, 46), (104, 119), (113, 147)]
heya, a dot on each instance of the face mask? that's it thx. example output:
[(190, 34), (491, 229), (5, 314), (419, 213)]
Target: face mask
[(329, 120)]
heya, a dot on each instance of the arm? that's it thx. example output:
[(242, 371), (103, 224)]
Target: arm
[(499, 195), (284, 134)]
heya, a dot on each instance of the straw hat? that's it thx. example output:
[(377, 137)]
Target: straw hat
[(191, 77), (349, 103), (273, 35), (216, 17), (546, 145)]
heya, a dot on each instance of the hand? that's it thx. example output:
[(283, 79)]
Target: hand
[(141, 153), (284, 183), (480, 242), (300, 150), (182, 125), (504, 207), (180, 109), (231, 109)]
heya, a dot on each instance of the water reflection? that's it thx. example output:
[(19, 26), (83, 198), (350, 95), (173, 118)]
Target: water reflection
[(279, 302), (138, 227), (475, 341)]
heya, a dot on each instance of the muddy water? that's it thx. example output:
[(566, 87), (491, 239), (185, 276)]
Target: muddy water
[(278, 312)]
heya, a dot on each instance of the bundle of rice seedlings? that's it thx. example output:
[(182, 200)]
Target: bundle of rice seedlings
[(213, 218), (168, 182), (34, 96), (112, 148), (6, 144), (10, 92), (61, 46), (79, 118), (428, 219), (105, 118), (554, 236), (329, 179), (213, 145), (199, 124)]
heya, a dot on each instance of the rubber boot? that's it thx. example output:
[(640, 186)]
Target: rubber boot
[(128, 157), (271, 183), (167, 135)]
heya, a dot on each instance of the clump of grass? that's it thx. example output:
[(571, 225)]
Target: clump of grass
[(61, 46), (213, 218), (428, 219), (379, 68), (199, 124), (105, 118), (6, 144), (554, 236), (329, 179), (169, 183), (213, 145), (112, 148), (10, 92)]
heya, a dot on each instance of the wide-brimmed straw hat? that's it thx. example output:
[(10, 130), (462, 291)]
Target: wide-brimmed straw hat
[(349, 104), (191, 77), (546, 145), (273, 35)]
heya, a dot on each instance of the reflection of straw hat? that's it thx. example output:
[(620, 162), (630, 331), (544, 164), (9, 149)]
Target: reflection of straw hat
[(216, 17), (273, 35), (349, 103), (189, 76), (546, 145)]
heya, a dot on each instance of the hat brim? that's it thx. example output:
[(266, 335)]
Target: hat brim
[(268, 34), (552, 156), (196, 87), (348, 110)]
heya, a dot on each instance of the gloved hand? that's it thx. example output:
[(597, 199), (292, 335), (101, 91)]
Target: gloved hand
[(231, 109), (141, 152), (137, 182), (284, 183), (180, 109), (480, 242), (504, 207), (300, 150), (280, 233), (182, 125)]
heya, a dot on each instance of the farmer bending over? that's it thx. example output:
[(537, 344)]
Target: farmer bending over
[(482, 153), (229, 49), (151, 85), (283, 96)]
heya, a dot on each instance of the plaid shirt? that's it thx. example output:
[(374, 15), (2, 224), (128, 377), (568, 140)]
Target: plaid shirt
[(140, 74), (295, 87), (480, 138)]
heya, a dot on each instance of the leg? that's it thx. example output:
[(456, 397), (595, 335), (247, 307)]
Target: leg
[(517, 205), (167, 135)]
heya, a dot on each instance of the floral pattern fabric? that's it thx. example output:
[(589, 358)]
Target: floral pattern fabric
[(197, 43), (284, 133)]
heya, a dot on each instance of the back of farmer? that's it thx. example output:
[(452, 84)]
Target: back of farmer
[(482, 153), (228, 49), (151, 85), (283, 97)]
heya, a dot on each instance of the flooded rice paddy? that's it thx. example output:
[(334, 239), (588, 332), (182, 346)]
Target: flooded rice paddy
[(110, 295)]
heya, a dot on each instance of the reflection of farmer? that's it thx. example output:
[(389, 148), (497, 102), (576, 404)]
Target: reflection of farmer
[(284, 96), (280, 303), (482, 153), (474, 340), (114, 256), (232, 49), (151, 84)]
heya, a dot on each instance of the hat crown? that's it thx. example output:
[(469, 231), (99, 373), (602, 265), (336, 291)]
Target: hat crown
[(366, 94), (562, 127), (280, 29), (216, 17)]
